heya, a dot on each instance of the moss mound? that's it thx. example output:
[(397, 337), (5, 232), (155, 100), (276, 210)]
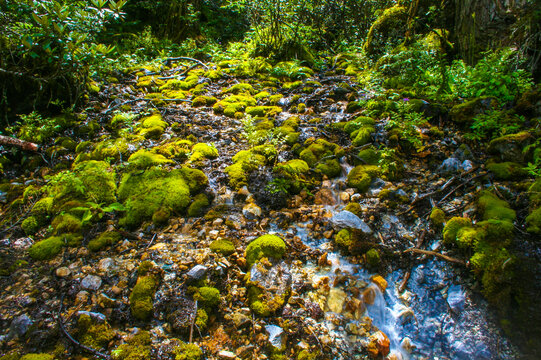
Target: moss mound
[(144, 193), (268, 245), (222, 246), (106, 238), (452, 227), (46, 249), (141, 297), (136, 348), (360, 177), (246, 161)]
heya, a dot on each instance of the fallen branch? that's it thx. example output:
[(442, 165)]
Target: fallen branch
[(21, 144), (459, 186), (168, 60), (404, 282), (433, 253), (70, 338)]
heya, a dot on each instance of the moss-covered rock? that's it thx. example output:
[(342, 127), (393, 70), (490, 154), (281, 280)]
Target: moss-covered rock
[(320, 149), (263, 110), (152, 127), (507, 170), (94, 334), (234, 104), (246, 161), (41, 356), (43, 206), (465, 112), (106, 238), (437, 217), (240, 88), (452, 227), (204, 101), (187, 352), (144, 193), (533, 221), (66, 223), (141, 297), (372, 257), (197, 207), (510, 147), (491, 207), (208, 297), (202, 151), (270, 246), (344, 238), (369, 156), (362, 136), (361, 176), (143, 159), (329, 167), (137, 347), (222, 246), (469, 236), (46, 249), (30, 225), (177, 150)]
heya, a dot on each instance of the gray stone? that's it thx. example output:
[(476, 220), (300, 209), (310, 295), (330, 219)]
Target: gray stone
[(19, 326), (196, 273), (251, 211), (467, 165), (276, 337), (449, 165), (276, 279), (91, 282), (347, 219), (95, 316), (456, 298), (106, 265)]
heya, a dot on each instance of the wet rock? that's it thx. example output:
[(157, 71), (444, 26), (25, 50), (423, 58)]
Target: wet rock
[(63, 272), (240, 320), (380, 282), (228, 355), (251, 211), (91, 282), (95, 316), (196, 273), (324, 196), (19, 326), (275, 280), (336, 299), (344, 196), (379, 345), (456, 298), (105, 265), (347, 219), (449, 166), (276, 336)]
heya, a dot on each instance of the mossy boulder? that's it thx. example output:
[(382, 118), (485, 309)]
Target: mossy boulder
[(329, 167), (152, 127), (373, 258), (198, 205), (437, 217), (177, 150), (270, 246), (464, 113), (360, 177), (247, 161), (452, 227), (202, 151), (94, 334), (358, 123), (142, 296), (136, 347), (144, 193), (41, 356), (369, 156), (234, 104), (507, 170), (510, 147), (46, 249), (362, 136), (187, 352), (204, 101), (43, 206), (66, 223), (263, 110), (143, 159), (106, 238), (30, 225), (240, 88), (344, 238), (208, 297), (320, 149), (533, 222), (222, 246), (491, 207)]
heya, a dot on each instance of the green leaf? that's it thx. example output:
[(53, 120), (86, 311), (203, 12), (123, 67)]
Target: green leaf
[(115, 207)]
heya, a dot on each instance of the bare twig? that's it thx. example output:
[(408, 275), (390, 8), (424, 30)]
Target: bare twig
[(168, 60), (433, 253)]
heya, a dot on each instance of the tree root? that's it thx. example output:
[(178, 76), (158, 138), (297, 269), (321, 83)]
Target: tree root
[(433, 253)]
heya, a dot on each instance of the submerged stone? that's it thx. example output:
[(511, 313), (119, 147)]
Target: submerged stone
[(347, 219)]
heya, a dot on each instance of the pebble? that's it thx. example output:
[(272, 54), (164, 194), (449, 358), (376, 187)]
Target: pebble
[(19, 326), (106, 264), (196, 273), (63, 272), (91, 282), (344, 196), (224, 354)]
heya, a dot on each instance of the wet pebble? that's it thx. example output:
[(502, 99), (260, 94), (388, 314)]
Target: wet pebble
[(91, 282), (63, 272)]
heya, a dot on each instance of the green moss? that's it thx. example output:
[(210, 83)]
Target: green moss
[(353, 106), (196, 208), (263, 110), (262, 95), (106, 238), (203, 150), (465, 112), (355, 208), (201, 319), (274, 99), (98, 179), (41, 356), (369, 156), (320, 149), (239, 88), (301, 108), (92, 334), (177, 150), (468, 236), (46, 249), (362, 136), (491, 207), (222, 246), (452, 227), (30, 225), (66, 223), (358, 123), (330, 168), (360, 176), (246, 161), (204, 101), (145, 193), (141, 297), (233, 104), (507, 170), (372, 257), (174, 84), (437, 217), (533, 221), (497, 232), (187, 352), (292, 85), (137, 348), (265, 246), (110, 149), (208, 297), (307, 355), (260, 309), (344, 238)]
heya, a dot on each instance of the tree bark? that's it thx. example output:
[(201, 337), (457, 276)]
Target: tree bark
[(21, 144)]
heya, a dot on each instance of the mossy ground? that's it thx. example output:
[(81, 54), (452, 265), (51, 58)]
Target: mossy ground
[(270, 246)]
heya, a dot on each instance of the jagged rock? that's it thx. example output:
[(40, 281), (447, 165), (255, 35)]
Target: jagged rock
[(196, 273), (251, 211), (276, 336), (347, 219), (456, 298), (91, 282)]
